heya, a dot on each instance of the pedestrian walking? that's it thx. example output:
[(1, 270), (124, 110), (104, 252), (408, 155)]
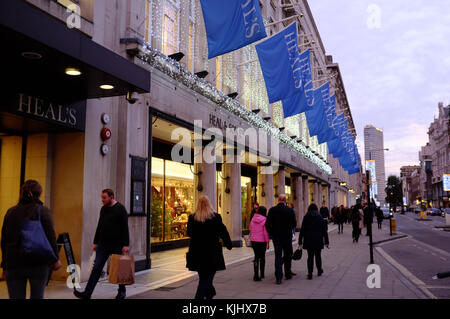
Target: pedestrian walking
[(368, 218), (356, 217), (334, 211), (313, 236), (205, 229), (380, 216), (340, 219), (324, 212), (254, 209), (260, 242), (279, 224), (18, 267), (111, 237)]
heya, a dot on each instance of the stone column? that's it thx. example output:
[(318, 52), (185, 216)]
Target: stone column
[(231, 200), (297, 194), (205, 171), (279, 182), (265, 192), (305, 194), (319, 194), (316, 193)]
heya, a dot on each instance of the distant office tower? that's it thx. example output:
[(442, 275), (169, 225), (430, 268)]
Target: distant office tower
[(373, 150)]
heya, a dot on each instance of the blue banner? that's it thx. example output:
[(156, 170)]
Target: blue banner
[(315, 116), (280, 64), (339, 127), (304, 100), (231, 24), (326, 132)]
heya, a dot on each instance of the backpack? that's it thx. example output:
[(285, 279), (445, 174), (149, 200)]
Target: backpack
[(34, 241)]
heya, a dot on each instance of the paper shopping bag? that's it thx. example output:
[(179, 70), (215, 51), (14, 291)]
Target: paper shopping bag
[(121, 270)]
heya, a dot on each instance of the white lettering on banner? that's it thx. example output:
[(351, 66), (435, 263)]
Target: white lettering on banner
[(291, 43), (308, 86), (254, 27)]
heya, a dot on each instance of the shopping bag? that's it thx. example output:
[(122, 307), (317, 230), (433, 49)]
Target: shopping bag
[(247, 240), (121, 270)]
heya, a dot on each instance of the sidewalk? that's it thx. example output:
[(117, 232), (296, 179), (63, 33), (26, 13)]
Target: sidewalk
[(344, 275)]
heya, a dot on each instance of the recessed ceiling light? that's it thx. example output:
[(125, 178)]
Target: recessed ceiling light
[(106, 87), (73, 71), (31, 55)]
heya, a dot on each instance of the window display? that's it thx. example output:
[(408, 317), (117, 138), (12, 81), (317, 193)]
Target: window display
[(172, 199)]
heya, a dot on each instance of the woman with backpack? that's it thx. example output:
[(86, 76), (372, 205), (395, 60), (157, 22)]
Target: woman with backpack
[(19, 266)]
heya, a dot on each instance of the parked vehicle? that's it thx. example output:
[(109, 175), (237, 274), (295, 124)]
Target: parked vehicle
[(386, 213), (436, 212)]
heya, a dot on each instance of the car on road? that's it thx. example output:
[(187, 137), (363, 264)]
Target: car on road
[(385, 211), (436, 212)]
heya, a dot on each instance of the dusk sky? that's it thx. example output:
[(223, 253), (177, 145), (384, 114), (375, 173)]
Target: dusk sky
[(395, 72)]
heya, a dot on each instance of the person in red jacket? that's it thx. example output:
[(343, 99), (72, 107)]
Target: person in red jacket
[(260, 242)]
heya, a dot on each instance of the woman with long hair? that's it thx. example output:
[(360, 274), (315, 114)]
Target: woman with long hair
[(313, 235), (205, 229), (260, 242), (18, 267)]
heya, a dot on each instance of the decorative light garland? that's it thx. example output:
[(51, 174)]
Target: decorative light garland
[(174, 69)]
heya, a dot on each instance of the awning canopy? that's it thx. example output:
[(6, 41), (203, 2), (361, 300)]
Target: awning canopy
[(38, 48)]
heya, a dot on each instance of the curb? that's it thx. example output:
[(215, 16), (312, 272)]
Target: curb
[(389, 239)]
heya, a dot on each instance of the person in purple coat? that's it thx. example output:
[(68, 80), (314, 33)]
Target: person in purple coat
[(260, 242)]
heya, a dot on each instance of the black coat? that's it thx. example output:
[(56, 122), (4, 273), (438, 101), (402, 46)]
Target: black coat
[(379, 214), (12, 252), (205, 248), (324, 212), (280, 221), (313, 232), (368, 216)]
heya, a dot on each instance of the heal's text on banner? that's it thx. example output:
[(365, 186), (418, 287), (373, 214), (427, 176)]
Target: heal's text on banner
[(231, 24)]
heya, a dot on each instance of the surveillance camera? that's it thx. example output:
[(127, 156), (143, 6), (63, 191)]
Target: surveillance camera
[(132, 97)]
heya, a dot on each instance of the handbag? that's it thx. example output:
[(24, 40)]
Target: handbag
[(297, 255), (34, 241), (121, 270), (248, 242)]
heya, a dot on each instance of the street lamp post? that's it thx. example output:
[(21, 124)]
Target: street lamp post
[(369, 225)]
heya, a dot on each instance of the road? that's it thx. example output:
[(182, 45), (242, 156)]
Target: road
[(425, 252)]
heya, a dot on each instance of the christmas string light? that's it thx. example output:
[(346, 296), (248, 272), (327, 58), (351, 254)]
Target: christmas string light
[(174, 70)]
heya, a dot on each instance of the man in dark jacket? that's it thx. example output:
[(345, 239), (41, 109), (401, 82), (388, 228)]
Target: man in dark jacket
[(279, 224), (368, 218), (325, 213), (313, 235), (111, 237)]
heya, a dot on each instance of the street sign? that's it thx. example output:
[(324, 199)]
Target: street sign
[(446, 182)]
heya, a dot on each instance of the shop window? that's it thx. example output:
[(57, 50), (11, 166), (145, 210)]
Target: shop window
[(172, 199), (170, 27), (246, 201), (149, 21), (137, 185), (287, 191), (219, 184)]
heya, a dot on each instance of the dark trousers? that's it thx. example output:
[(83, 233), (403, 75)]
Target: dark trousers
[(380, 222), (205, 289), (283, 255), (101, 256), (314, 253), (340, 227), (16, 280), (259, 249), (356, 231)]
